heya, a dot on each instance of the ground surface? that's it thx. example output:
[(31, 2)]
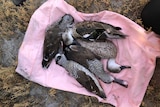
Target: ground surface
[(16, 91)]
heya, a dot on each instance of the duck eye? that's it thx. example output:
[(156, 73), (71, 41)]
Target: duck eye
[(58, 58)]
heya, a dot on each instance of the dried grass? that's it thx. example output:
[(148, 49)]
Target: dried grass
[(15, 17), (14, 89)]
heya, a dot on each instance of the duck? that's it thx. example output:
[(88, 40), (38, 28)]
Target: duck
[(80, 73), (93, 30), (53, 36)]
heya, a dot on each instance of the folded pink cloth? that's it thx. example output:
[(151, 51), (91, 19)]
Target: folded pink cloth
[(139, 50)]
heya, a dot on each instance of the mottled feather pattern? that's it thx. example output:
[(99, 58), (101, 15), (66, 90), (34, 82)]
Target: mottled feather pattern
[(81, 74), (53, 36), (96, 67), (89, 27), (105, 49), (80, 55)]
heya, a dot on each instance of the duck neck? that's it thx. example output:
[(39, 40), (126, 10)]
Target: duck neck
[(67, 36), (64, 62)]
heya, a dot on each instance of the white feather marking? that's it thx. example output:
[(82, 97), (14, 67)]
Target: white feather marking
[(45, 59), (86, 35), (67, 36)]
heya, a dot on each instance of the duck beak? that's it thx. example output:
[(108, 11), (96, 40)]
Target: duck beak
[(56, 61), (60, 50), (45, 64), (76, 43), (121, 82)]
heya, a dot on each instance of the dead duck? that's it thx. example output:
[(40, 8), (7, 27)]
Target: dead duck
[(53, 36), (89, 60), (80, 73), (93, 30)]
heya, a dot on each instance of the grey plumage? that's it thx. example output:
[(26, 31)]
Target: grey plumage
[(96, 67), (105, 49), (89, 60), (53, 36), (81, 74)]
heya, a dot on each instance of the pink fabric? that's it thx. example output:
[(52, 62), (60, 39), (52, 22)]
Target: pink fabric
[(139, 50)]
